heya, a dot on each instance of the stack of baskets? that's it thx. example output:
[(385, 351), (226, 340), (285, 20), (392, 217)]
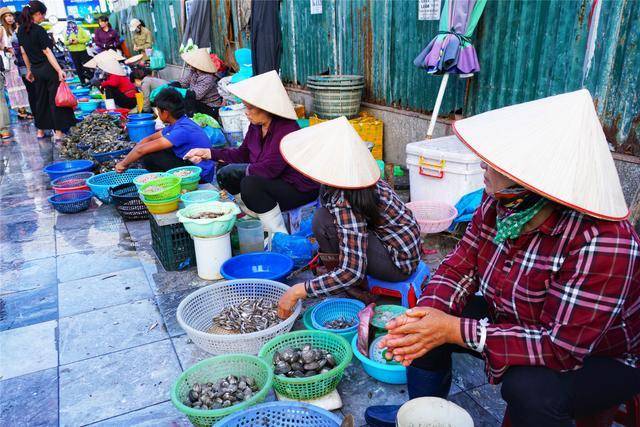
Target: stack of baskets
[(72, 182), (189, 175), (140, 180), (161, 195), (128, 203), (336, 95)]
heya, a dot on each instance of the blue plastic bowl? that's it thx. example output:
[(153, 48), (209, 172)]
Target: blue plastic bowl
[(67, 167), (89, 106), (281, 414), (257, 265), (140, 116), (140, 129), (80, 92), (200, 196), (390, 374), (334, 308)]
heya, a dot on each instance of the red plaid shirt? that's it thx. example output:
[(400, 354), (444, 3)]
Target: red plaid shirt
[(557, 294), (399, 233)]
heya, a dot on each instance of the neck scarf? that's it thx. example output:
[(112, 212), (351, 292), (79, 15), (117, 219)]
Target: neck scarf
[(518, 206), (72, 28)]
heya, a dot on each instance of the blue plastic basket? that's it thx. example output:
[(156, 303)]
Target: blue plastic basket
[(67, 167), (79, 92), (100, 184), (200, 196), (334, 308), (257, 265), (111, 155), (140, 129), (71, 202), (281, 414)]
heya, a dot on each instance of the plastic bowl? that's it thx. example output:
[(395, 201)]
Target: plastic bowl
[(282, 414), (213, 369), (89, 106), (200, 196), (139, 181), (196, 310), (141, 116), (71, 202), (318, 385), (161, 206), (390, 374), (395, 310), (187, 181), (335, 308), (433, 217), (257, 265), (209, 227), (67, 167), (72, 182), (80, 91)]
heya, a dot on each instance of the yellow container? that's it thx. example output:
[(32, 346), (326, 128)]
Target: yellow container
[(140, 101), (368, 127), (163, 206)]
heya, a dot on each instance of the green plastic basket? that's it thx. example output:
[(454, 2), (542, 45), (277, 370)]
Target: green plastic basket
[(170, 185), (210, 370), (194, 177), (318, 385), (185, 187)]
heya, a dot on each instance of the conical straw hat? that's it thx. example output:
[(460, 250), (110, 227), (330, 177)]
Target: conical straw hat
[(267, 92), (200, 59), (134, 58), (110, 65), (432, 411), (93, 62), (331, 153), (554, 146)]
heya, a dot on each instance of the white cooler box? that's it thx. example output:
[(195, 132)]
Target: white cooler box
[(443, 170)]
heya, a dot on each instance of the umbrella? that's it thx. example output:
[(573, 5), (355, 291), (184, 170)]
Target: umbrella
[(451, 51)]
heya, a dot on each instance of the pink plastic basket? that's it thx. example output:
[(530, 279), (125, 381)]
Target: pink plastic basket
[(433, 217)]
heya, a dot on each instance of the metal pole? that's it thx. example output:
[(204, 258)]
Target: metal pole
[(436, 108)]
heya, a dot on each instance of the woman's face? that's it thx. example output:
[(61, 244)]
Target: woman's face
[(38, 17), (256, 115), (103, 24), (495, 181), (8, 19)]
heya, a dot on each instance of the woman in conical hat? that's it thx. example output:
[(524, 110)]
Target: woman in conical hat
[(263, 184), (117, 85), (558, 266), (202, 79), (362, 228)]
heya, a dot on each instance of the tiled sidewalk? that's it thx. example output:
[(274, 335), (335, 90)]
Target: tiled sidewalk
[(87, 316)]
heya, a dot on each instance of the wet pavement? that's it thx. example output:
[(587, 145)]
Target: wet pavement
[(88, 333)]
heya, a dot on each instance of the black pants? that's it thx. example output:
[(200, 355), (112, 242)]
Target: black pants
[(539, 396), (31, 93), (262, 194), (46, 114), (121, 100), (80, 58), (163, 160), (379, 263)]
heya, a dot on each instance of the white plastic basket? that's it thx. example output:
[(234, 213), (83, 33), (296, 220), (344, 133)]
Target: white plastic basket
[(195, 315)]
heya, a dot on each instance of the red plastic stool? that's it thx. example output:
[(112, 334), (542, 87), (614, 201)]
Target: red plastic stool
[(408, 291), (627, 415)]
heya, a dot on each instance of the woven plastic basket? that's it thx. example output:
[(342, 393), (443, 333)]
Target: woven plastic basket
[(211, 370), (139, 181), (282, 414), (170, 188), (73, 182), (432, 216), (336, 308), (336, 95), (71, 202), (101, 183), (195, 315), (188, 179), (318, 385), (128, 204)]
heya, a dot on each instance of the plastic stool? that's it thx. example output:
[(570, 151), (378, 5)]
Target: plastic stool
[(627, 416), (409, 290)]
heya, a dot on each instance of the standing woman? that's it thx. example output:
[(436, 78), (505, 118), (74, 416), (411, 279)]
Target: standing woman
[(106, 37), (18, 97), (76, 39), (22, 67), (142, 39), (42, 69)]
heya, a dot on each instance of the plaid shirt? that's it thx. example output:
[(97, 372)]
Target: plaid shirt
[(557, 294), (399, 233)]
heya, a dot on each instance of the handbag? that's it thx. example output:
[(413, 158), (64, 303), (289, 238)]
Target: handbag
[(64, 97)]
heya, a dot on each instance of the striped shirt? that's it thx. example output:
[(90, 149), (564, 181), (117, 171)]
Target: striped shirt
[(398, 231), (556, 294)]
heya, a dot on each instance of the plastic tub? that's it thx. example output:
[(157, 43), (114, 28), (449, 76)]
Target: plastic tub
[(141, 116), (318, 385), (281, 414), (140, 129), (209, 227), (433, 216), (335, 308), (67, 167), (250, 236), (211, 253), (88, 106), (443, 170), (200, 196), (386, 373), (213, 369), (196, 310), (258, 265)]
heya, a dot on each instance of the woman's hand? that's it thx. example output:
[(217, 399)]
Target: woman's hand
[(196, 155), (419, 331), (61, 75), (120, 167), (289, 300), (30, 77)]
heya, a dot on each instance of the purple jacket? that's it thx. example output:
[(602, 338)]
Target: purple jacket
[(263, 154), (106, 39)]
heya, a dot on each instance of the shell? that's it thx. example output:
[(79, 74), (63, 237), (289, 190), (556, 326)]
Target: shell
[(221, 394), (303, 362)]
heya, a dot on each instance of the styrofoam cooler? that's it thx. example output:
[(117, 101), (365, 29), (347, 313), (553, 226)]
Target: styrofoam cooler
[(233, 118), (211, 253), (442, 169)]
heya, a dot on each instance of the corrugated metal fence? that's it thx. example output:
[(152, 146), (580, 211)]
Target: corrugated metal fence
[(527, 50)]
